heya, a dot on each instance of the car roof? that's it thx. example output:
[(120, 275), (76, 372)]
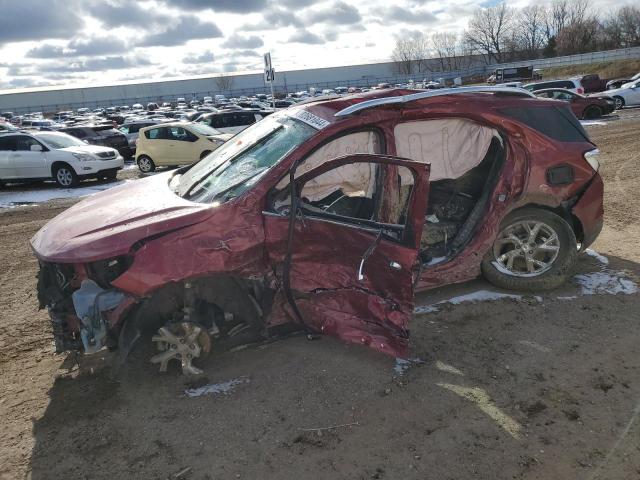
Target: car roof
[(385, 104), (167, 124)]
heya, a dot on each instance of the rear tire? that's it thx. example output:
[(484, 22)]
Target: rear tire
[(534, 250), (204, 154), (619, 102), (65, 176), (145, 164), (591, 112)]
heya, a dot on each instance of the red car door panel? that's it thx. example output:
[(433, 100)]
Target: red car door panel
[(339, 294)]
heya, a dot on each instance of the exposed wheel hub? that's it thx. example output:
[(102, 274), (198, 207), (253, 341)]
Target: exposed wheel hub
[(182, 342)]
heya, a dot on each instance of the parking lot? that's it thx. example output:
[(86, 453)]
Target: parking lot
[(501, 385)]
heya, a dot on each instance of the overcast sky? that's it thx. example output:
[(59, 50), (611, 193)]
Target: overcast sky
[(69, 42)]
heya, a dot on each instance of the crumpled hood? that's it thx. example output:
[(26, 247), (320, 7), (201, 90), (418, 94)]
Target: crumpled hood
[(108, 223)]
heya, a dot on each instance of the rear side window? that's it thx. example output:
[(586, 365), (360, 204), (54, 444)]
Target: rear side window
[(24, 143), (554, 122), (215, 121), (7, 143), (155, 134)]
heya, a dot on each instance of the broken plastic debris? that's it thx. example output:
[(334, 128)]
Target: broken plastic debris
[(223, 388)]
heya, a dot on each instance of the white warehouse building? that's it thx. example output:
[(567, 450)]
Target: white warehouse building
[(57, 98)]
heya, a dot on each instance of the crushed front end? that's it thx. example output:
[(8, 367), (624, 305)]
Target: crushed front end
[(86, 312)]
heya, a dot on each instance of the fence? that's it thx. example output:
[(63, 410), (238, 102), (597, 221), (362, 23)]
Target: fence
[(368, 81)]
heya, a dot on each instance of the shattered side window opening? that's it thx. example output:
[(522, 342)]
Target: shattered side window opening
[(241, 166), (356, 195)]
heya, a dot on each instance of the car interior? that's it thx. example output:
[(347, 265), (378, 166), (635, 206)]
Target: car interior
[(465, 159)]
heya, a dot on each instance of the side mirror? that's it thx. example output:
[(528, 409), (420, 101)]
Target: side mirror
[(36, 148)]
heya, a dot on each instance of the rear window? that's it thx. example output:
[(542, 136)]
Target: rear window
[(555, 122)]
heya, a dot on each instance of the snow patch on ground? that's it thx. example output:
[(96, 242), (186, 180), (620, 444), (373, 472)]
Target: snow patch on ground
[(404, 364), (29, 197), (587, 123), (223, 388), (606, 282), (601, 258), (425, 309), (484, 296), (473, 297)]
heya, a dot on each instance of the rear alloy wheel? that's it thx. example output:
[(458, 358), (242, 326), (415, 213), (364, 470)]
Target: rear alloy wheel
[(65, 176), (145, 164), (535, 250), (591, 112), (619, 102), (204, 154)]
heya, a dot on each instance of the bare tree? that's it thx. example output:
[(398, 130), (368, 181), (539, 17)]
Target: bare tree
[(402, 56), (224, 82), (447, 49), (488, 31), (530, 29), (580, 37), (410, 54), (629, 18), (421, 51)]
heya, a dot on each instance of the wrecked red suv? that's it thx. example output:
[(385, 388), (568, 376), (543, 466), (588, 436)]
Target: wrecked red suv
[(328, 216)]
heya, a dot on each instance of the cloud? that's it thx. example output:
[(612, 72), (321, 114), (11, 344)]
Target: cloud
[(80, 47), (297, 3), (96, 64), (239, 41), (407, 15), (232, 6), (27, 20), (46, 50), (125, 14), (245, 53), (275, 18), (305, 36), (204, 57), (185, 29), (340, 13)]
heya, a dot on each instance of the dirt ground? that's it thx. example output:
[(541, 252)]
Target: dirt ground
[(517, 388)]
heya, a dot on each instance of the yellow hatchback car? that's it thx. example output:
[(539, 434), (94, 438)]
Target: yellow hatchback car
[(171, 144)]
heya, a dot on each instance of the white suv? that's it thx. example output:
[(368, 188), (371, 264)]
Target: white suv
[(57, 156), (572, 84)]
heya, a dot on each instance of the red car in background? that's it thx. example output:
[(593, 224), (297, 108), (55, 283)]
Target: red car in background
[(327, 216), (585, 107)]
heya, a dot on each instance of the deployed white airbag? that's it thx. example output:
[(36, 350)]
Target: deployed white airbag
[(452, 146)]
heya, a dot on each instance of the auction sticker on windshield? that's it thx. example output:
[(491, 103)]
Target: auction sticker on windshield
[(310, 119)]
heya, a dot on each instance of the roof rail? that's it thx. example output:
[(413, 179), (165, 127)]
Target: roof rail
[(521, 92)]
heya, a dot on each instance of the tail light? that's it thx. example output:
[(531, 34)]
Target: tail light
[(580, 90), (592, 158)]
